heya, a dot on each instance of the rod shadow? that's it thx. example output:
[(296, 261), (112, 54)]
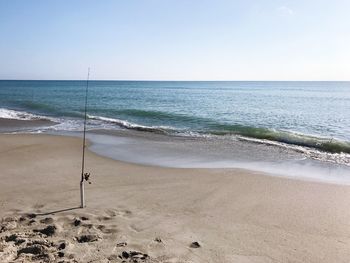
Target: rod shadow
[(58, 211)]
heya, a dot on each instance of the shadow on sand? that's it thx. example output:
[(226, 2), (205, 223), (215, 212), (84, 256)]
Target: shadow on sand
[(58, 211)]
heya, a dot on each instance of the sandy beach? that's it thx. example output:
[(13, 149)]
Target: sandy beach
[(202, 131), (141, 213)]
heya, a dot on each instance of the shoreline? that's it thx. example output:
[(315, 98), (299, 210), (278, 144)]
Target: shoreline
[(214, 153), (152, 149), (14, 125), (235, 215)]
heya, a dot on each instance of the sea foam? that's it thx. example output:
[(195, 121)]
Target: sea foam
[(19, 115)]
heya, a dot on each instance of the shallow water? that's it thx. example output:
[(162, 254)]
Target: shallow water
[(211, 152)]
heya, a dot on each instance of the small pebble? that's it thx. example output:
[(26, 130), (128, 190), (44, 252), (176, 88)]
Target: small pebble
[(125, 254), (195, 245), (77, 222), (87, 238), (122, 244), (62, 246)]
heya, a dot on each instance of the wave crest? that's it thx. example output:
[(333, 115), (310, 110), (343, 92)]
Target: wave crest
[(324, 144), (20, 115), (130, 125), (253, 133)]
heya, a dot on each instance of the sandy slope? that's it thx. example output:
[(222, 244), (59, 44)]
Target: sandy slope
[(235, 215)]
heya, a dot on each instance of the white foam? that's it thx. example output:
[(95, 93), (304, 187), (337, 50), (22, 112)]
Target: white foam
[(129, 125), (337, 158), (19, 115)]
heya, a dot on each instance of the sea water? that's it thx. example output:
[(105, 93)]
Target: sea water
[(311, 119)]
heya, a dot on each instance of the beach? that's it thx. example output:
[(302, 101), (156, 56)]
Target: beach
[(174, 131), (157, 214)]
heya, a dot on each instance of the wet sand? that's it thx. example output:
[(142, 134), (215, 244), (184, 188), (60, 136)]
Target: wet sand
[(11, 125), (154, 214)]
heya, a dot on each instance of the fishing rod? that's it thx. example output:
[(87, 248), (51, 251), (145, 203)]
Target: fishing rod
[(84, 176)]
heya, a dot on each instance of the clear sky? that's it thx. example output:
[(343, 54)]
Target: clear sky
[(175, 39)]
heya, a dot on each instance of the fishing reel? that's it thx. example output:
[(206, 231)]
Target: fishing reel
[(86, 177)]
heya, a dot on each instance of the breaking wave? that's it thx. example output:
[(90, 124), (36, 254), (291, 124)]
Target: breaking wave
[(131, 126), (20, 115)]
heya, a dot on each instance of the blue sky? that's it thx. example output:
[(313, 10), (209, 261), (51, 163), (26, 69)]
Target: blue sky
[(175, 39)]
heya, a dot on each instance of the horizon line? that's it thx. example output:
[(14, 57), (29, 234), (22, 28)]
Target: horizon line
[(155, 80)]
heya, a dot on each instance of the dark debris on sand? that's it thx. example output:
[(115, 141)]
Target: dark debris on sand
[(122, 244), (195, 245), (31, 216), (87, 238), (62, 246), (133, 256), (48, 231), (77, 222), (35, 249), (10, 238), (158, 240), (29, 245), (25, 244), (38, 252)]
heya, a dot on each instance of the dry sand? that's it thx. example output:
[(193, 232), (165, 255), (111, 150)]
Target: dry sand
[(154, 214)]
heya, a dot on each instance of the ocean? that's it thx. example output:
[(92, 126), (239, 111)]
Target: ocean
[(309, 119)]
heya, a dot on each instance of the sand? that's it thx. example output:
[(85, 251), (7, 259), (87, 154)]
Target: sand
[(141, 213)]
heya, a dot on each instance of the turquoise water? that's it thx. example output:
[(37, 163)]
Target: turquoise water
[(308, 114)]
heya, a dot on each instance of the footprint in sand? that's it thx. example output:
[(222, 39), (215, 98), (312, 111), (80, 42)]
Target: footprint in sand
[(61, 238), (111, 212), (38, 206), (106, 230), (122, 212), (136, 228), (104, 218), (47, 220)]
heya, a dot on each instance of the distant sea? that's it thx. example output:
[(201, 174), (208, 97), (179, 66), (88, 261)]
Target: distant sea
[(307, 116)]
